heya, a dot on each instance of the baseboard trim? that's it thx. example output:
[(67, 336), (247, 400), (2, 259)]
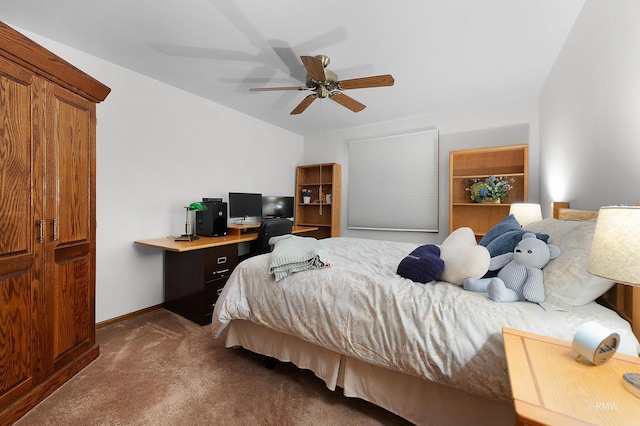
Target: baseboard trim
[(128, 316)]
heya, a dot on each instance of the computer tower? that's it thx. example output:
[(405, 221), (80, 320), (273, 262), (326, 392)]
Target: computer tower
[(212, 222)]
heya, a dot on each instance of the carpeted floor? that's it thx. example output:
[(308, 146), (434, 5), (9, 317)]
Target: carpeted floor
[(161, 369)]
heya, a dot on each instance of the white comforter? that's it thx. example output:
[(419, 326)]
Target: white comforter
[(360, 307)]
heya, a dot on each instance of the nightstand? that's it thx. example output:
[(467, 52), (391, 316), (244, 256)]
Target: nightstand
[(550, 387)]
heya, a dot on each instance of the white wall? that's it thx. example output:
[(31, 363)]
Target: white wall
[(461, 129), (158, 149), (590, 110)]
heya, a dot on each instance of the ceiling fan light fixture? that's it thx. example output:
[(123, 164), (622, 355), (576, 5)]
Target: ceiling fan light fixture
[(324, 83), (322, 91), (324, 59)]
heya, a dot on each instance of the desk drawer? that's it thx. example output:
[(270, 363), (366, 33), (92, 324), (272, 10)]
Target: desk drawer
[(212, 291), (220, 261)]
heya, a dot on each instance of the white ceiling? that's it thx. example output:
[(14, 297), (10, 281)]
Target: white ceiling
[(443, 54)]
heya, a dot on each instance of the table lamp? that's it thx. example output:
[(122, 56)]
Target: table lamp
[(615, 255), (526, 213), (188, 230)]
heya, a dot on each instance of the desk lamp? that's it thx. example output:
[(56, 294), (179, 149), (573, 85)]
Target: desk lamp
[(615, 255), (526, 213), (188, 234)]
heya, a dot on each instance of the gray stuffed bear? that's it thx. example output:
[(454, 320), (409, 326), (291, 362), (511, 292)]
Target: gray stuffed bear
[(521, 276)]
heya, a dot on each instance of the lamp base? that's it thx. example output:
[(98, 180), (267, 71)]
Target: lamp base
[(186, 237)]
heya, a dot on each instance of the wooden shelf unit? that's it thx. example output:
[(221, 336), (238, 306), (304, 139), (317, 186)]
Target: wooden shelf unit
[(320, 179), (510, 161)]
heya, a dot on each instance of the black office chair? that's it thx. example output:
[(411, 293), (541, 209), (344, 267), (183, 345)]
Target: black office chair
[(270, 228)]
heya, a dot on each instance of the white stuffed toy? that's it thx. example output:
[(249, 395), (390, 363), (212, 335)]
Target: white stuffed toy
[(521, 276)]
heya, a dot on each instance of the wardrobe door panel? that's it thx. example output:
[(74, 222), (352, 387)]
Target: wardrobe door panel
[(15, 363), (72, 121), (71, 215), (20, 249)]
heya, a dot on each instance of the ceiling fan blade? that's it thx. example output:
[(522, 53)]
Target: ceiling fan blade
[(314, 67), (347, 101), (269, 89), (364, 82), (304, 104)]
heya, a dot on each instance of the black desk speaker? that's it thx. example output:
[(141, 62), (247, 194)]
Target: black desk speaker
[(212, 222)]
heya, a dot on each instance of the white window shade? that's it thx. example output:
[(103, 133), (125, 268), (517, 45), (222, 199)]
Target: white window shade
[(393, 182)]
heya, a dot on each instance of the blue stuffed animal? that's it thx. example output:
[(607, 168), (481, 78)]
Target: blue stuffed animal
[(521, 276)]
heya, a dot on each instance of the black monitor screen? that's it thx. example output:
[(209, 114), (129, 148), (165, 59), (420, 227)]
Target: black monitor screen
[(242, 204), (277, 206)]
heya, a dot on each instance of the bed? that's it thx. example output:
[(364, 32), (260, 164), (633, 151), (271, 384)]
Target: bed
[(431, 353)]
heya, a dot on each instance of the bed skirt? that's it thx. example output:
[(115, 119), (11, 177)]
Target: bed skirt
[(420, 401)]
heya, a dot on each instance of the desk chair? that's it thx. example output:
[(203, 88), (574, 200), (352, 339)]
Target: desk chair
[(270, 228)]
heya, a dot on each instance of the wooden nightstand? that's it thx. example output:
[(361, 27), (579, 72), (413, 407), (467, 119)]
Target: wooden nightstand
[(550, 387)]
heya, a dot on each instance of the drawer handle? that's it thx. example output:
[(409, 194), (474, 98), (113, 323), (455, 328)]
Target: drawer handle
[(222, 259), (222, 271)]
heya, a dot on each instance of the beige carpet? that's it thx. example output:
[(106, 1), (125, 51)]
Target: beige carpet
[(161, 369)]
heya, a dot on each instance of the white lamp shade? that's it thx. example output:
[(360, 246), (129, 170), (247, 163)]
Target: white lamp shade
[(526, 213), (615, 251)]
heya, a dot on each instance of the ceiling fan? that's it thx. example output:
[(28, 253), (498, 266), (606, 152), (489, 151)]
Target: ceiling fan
[(324, 83)]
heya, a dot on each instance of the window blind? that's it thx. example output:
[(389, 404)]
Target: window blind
[(393, 182)]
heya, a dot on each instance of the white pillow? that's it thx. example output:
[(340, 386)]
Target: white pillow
[(566, 280), (463, 257)]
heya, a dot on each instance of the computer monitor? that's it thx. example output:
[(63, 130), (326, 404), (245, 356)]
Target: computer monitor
[(277, 206), (243, 204)]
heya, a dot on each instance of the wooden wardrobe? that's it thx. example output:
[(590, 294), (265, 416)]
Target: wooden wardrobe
[(47, 222)]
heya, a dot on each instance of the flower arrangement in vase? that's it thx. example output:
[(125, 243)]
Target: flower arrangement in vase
[(490, 190), (306, 195)]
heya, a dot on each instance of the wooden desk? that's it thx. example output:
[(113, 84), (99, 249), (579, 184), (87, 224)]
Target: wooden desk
[(196, 271), (235, 236), (550, 387)]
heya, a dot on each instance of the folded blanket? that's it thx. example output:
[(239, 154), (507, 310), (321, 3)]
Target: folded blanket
[(294, 254)]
